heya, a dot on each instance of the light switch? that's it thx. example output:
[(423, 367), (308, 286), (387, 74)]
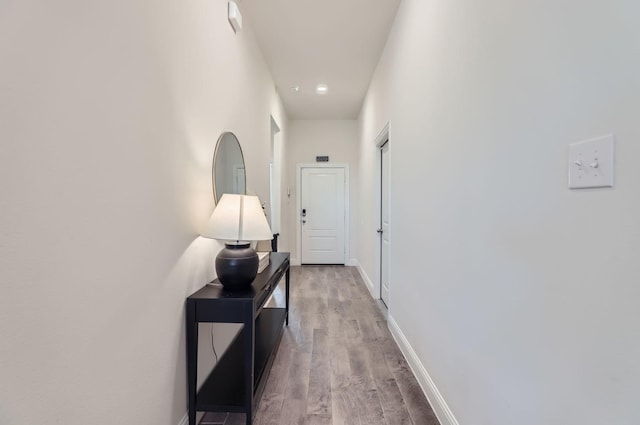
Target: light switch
[(591, 163)]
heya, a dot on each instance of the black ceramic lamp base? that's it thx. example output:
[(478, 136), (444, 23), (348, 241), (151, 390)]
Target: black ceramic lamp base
[(237, 266)]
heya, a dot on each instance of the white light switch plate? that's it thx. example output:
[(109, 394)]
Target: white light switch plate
[(591, 163)]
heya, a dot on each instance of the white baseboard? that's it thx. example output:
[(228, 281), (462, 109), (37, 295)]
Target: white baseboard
[(439, 405), (367, 281), (350, 262), (185, 418)]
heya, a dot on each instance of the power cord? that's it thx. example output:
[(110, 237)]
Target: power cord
[(212, 345)]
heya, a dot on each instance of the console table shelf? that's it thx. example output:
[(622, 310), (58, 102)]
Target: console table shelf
[(238, 379)]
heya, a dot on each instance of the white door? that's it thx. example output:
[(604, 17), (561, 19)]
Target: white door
[(384, 223), (322, 215)]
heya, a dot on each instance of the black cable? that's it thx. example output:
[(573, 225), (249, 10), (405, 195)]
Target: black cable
[(212, 346)]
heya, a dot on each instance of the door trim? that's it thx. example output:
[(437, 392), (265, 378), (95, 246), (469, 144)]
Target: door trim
[(382, 138), (275, 178), (347, 224)]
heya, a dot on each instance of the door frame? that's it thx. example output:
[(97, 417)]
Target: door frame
[(347, 224), (275, 178), (382, 138)]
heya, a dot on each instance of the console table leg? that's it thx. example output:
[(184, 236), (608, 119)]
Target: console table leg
[(249, 359), (286, 284), (192, 360)]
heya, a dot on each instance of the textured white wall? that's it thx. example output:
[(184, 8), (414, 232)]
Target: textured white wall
[(308, 138), (109, 113), (519, 296)]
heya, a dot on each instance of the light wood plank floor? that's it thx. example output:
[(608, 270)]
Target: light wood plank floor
[(337, 363)]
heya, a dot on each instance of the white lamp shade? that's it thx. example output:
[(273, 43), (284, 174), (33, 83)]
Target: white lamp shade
[(238, 218)]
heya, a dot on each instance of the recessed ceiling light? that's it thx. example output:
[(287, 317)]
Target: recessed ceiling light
[(322, 89), (295, 88)]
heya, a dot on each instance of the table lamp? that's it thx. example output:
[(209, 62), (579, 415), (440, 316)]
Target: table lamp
[(237, 220)]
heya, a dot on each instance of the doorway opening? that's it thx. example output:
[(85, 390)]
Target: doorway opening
[(384, 215), (275, 183)]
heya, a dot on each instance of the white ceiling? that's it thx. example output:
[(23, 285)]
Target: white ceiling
[(334, 42)]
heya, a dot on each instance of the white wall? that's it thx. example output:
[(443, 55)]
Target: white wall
[(109, 113), (518, 296), (307, 139)]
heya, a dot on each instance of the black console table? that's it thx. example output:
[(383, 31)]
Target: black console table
[(238, 379)]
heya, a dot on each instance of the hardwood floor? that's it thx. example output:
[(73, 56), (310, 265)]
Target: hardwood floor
[(337, 363)]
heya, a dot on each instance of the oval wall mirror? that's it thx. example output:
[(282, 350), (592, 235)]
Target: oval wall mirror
[(228, 167)]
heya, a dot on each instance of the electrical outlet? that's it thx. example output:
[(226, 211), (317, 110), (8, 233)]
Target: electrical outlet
[(591, 163)]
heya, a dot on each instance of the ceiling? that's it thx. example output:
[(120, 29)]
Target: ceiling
[(311, 42)]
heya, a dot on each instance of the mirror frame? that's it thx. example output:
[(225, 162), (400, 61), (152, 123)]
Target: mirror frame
[(225, 136)]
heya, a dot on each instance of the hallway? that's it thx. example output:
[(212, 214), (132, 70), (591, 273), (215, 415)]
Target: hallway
[(337, 363)]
